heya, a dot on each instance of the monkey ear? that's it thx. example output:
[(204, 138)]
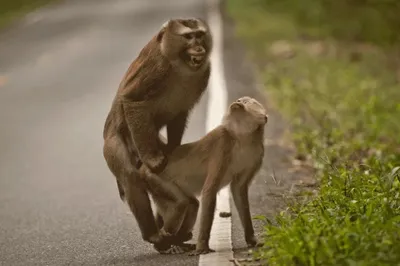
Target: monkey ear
[(165, 24), (163, 29), (160, 34), (266, 118)]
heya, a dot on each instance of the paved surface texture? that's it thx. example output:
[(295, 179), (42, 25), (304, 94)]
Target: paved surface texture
[(61, 67)]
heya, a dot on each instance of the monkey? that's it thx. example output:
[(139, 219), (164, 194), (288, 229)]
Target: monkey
[(160, 88), (230, 154)]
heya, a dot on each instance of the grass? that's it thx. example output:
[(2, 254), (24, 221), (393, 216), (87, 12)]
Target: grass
[(341, 95), (13, 9)]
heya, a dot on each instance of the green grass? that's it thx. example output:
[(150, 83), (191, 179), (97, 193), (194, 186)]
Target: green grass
[(13, 9), (343, 102)]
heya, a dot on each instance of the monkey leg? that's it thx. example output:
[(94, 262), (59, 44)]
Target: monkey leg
[(241, 201), (132, 187), (120, 190), (173, 206), (185, 232), (159, 219), (172, 203)]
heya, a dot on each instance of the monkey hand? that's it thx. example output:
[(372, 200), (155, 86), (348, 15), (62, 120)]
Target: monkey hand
[(253, 242), (165, 234), (157, 162), (201, 248)]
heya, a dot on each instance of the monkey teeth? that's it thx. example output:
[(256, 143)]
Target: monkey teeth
[(196, 59)]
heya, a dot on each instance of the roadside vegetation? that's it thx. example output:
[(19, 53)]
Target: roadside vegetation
[(332, 68), (12, 9)]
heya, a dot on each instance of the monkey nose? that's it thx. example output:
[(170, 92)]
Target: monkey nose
[(197, 50)]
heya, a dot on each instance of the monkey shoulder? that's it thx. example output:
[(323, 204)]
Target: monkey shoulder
[(145, 79)]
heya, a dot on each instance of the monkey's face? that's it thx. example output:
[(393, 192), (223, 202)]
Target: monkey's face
[(248, 114), (188, 40)]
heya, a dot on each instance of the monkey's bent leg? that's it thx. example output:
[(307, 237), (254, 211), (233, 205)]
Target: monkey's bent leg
[(172, 202), (185, 232), (163, 207), (134, 189)]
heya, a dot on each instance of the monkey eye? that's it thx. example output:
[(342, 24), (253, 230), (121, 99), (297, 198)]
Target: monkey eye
[(199, 34), (187, 36)]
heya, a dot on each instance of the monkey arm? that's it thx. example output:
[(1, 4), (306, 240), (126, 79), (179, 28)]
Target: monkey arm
[(144, 134), (219, 161), (175, 130)]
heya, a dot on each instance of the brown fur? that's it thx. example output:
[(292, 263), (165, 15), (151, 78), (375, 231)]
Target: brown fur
[(159, 89), (231, 154)]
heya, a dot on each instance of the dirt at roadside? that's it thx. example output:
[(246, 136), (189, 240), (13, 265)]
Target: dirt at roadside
[(279, 175)]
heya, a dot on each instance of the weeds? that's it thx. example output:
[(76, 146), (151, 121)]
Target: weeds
[(343, 102)]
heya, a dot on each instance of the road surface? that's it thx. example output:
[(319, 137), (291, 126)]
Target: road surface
[(60, 68)]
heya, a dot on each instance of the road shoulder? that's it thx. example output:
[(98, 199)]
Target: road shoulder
[(278, 175)]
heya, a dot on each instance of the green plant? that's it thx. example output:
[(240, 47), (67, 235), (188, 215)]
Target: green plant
[(344, 115)]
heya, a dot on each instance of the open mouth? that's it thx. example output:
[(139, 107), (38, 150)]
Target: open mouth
[(196, 60)]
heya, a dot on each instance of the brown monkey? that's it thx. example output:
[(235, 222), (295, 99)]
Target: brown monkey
[(159, 89), (232, 154)]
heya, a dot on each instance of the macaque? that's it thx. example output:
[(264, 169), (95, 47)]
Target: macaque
[(231, 154), (160, 88)]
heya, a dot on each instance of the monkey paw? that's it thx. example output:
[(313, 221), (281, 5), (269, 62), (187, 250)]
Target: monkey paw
[(253, 242), (157, 163), (187, 247), (200, 251), (165, 234), (172, 250)]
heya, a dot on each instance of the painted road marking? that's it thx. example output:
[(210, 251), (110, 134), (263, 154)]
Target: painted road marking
[(220, 239)]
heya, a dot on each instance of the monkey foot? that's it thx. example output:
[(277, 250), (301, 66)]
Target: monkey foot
[(255, 245), (187, 247), (201, 251), (172, 250)]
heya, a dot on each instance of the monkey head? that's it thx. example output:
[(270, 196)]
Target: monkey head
[(186, 40), (246, 115)]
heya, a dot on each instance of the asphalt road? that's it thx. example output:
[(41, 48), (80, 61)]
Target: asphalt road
[(60, 68)]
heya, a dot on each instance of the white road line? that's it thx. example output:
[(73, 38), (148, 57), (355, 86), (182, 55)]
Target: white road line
[(220, 239)]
